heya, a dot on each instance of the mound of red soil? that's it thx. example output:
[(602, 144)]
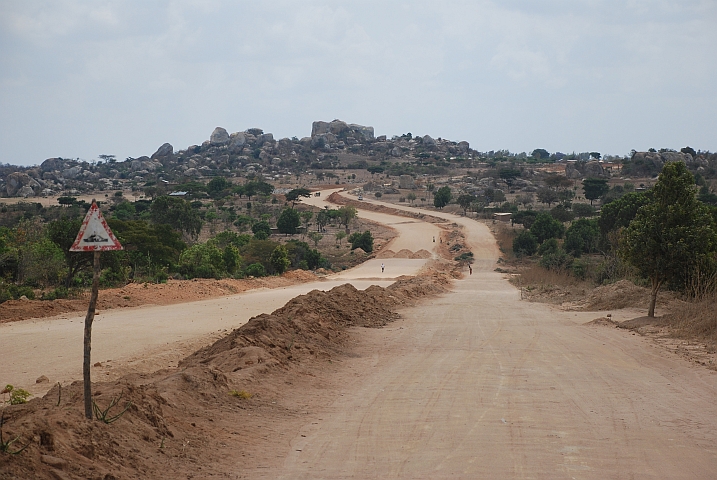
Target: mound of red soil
[(194, 421)]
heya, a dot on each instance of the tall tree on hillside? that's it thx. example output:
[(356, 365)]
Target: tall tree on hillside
[(442, 197), (673, 235), (595, 188)]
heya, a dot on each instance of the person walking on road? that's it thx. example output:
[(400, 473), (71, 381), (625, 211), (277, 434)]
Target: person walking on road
[(470, 269), (382, 267)]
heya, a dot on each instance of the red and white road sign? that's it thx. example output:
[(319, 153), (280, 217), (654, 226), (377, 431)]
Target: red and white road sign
[(95, 234)]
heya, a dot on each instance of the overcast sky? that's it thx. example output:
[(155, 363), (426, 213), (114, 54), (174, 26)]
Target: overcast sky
[(83, 78)]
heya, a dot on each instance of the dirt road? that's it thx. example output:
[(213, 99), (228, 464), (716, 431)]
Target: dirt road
[(151, 337), (478, 384)]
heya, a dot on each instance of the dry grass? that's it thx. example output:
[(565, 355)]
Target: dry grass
[(504, 235), (698, 319), (535, 275)]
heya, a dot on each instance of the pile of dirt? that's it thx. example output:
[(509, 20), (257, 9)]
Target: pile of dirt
[(196, 419), (624, 294), (405, 253), (137, 294), (603, 321)]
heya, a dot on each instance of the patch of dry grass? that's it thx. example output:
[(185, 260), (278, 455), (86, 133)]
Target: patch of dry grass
[(504, 235), (535, 275), (698, 319)]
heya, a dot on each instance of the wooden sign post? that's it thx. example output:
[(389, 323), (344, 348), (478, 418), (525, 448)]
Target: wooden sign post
[(94, 236)]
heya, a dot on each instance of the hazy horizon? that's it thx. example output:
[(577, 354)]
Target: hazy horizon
[(84, 78)]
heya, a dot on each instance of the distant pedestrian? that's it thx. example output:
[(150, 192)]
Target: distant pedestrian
[(434, 239), (382, 267), (470, 269)]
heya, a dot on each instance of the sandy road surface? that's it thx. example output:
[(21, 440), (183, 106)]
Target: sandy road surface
[(478, 384), (151, 337)]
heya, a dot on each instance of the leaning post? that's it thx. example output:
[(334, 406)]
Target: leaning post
[(94, 236)]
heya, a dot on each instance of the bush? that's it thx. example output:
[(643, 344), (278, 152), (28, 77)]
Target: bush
[(9, 291), (279, 259), (363, 241), (548, 247), (255, 270), (202, 260), (545, 227), (556, 261), (582, 237), (261, 230), (525, 244), (583, 210)]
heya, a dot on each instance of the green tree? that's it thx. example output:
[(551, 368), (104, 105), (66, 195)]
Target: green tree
[(202, 260), (673, 236), (279, 259), (295, 195), (411, 197), (582, 237), (442, 197), (261, 230), (176, 213), (545, 227), (218, 187), (375, 169), (346, 214), (316, 238), (547, 195), (595, 188), (540, 153), (525, 244), (364, 241), (465, 201), (125, 211), (288, 221), (509, 174)]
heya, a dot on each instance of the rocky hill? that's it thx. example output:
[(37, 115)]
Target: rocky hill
[(331, 145)]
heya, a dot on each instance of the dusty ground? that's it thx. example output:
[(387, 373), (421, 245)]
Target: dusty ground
[(473, 383)]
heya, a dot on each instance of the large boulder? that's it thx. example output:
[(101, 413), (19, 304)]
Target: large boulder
[(165, 150), (21, 184), (72, 172), (365, 132), (52, 164), (428, 141), (238, 140), (593, 169), (339, 127), (219, 136), (144, 163)]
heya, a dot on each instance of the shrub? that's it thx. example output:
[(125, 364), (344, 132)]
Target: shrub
[(556, 261), (279, 259), (545, 227), (548, 247), (525, 244), (261, 230), (255, 270), (202, 260), (363, 241)]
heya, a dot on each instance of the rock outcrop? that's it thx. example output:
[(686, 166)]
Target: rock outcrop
[(21, 185), (165, 150), (219, 136)]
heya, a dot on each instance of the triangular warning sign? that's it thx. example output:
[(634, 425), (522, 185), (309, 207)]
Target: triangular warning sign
[(95, 234)]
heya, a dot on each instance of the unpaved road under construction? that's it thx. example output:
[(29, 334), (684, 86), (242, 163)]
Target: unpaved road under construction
[(474, 383), (478, 384)]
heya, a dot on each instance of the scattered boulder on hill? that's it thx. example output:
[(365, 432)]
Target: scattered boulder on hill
[(428, 141), (338, 127), (52, 164), (165, 150), (21, 184), (658, 159), (145, 163), (219, 136)]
